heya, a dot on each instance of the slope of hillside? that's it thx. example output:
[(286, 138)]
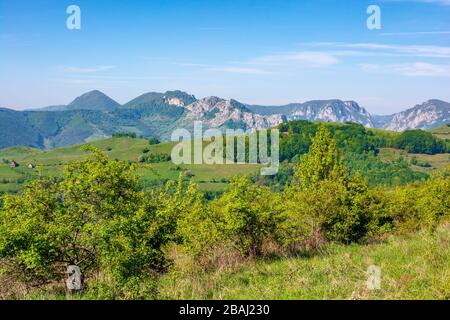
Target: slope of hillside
[(51, 163), (442, 132), (93, 100), (428, 115), (16, 130)]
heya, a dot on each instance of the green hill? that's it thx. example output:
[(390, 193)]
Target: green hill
[(51, 163), (93, 100), (365, 150)]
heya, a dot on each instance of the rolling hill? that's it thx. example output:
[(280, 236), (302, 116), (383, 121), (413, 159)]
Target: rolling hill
[(95, 116), (50, 163)]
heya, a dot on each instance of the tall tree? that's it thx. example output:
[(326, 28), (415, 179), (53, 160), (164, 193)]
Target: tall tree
[(322, 162)]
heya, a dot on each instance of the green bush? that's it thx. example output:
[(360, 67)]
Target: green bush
[(155, 158), (243, 218), (153, 141), (95, 218)]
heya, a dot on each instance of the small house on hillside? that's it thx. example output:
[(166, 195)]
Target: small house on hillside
[(13, 164)]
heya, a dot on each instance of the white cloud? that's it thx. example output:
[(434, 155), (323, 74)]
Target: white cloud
[(239, 70), (226, 68), (417, 69), (415, 33), (313, 59), (424, 51), (87, 70)]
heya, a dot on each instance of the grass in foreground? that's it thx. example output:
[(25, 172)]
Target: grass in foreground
[(413, 267)]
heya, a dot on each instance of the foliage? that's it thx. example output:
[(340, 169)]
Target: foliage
[(125, 135), (359, 148), (244, 217), (95, 218), (322, 162), (154, 158), (153, 140), (418, 141), (334, 206)]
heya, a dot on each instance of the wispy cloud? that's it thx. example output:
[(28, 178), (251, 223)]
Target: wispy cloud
[(87, 70), (423, 51), (239, 70), (226, 68), (313, 59), (417, 69), (416, 33)]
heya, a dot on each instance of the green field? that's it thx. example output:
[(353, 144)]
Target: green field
[(437, 161), (442, 132), (50, 163)]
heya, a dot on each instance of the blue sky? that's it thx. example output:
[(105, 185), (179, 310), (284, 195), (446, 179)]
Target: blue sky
[(255, 51)]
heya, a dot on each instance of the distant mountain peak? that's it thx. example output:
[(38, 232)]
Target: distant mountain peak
[(333, 110), (428, 115), (215, 112), (173, 98), (93, 100), (178, 98)]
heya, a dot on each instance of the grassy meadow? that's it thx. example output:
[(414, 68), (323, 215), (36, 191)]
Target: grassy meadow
[(413, 267), (50, 163)]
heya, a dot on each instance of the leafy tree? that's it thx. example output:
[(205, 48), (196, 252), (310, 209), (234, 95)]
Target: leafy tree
[(322, 161), (95, 218), (328, 203), (419, 141)]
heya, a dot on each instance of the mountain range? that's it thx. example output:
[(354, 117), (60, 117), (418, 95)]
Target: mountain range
[(94, 116)]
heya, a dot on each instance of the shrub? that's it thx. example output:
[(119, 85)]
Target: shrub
[(95, 218), (247, 215), (155, 158), (153, 141)]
